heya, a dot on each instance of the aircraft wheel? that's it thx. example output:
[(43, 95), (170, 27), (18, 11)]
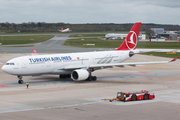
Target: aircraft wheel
[(69, 76), (20, 81), (90, 78), (65, 76), (60, 77), (94, 78)]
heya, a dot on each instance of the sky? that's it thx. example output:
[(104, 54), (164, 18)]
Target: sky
[(90, 11)]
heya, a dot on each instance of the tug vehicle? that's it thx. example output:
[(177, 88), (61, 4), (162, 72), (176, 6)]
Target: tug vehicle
[(143, 95)]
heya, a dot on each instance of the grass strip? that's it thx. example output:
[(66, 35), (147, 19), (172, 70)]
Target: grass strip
[(11, 40)]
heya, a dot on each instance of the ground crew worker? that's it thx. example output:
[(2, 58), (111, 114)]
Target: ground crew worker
[(124, 97), (27, 84)]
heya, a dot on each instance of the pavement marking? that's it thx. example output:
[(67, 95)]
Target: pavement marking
[(3, 86), (142, 72), (128, 77), (50, 107), (131, 77), (57, 82), (121, 77), (52, 43), (18, 117), (37, 44)]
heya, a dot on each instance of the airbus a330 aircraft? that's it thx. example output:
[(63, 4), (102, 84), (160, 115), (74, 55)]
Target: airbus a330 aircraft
[(77, 66)]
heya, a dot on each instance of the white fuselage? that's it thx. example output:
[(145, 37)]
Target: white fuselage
[(65, 30), (55, 63)]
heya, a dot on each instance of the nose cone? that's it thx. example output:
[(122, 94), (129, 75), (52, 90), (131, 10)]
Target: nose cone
[(3, 68), (6, 69)]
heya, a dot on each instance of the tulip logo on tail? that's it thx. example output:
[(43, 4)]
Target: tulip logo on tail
[(131, 40)]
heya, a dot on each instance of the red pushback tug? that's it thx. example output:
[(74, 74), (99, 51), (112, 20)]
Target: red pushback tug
[(143, 95)]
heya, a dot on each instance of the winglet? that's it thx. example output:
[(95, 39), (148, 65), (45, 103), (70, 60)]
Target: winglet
[(174, 59)]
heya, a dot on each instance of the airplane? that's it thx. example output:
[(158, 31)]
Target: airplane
[(78, 66), (65, 30)]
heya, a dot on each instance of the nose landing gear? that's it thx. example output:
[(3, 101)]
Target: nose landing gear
[(20, 81)]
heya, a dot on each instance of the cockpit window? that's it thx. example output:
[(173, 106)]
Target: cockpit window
[(10, 64)]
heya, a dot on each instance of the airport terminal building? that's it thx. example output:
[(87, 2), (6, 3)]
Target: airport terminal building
[(157, 34), (162, 34)]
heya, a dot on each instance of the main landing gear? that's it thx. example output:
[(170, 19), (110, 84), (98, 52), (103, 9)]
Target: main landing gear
[(91, 78), (20, 81), (65, 76)]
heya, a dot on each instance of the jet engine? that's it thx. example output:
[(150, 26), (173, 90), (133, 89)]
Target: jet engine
[(80, 74)]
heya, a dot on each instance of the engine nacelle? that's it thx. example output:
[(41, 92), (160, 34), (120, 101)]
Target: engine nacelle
[(80, 74)]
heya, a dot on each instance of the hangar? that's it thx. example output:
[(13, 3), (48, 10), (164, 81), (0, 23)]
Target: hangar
[(122, 36), (167, 35)]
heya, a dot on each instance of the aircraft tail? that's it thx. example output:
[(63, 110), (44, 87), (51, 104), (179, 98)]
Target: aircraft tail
[(61, 29), (34, 52), (131, 39)]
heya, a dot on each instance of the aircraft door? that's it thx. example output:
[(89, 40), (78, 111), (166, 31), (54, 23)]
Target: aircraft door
[(85, 61), (48, 64), (120, 56), (23, 65)]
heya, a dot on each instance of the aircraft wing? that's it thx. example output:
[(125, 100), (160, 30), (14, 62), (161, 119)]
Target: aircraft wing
[(156, 50), (132, 63), (116, 64)]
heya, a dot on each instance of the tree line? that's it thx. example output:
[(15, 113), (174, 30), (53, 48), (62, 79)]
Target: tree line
[(32, 27)]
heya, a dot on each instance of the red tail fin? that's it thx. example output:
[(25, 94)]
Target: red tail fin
[(131, 39), (34, 51)]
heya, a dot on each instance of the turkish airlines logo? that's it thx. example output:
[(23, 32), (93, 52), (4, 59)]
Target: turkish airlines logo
[(131, 40), (34, 51)]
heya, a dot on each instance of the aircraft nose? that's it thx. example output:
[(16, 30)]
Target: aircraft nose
[(5, 69)]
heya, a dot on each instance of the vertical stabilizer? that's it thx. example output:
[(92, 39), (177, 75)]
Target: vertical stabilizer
[(131, 39)]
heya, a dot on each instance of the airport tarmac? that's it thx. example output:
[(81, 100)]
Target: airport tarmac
[(48, 97)]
